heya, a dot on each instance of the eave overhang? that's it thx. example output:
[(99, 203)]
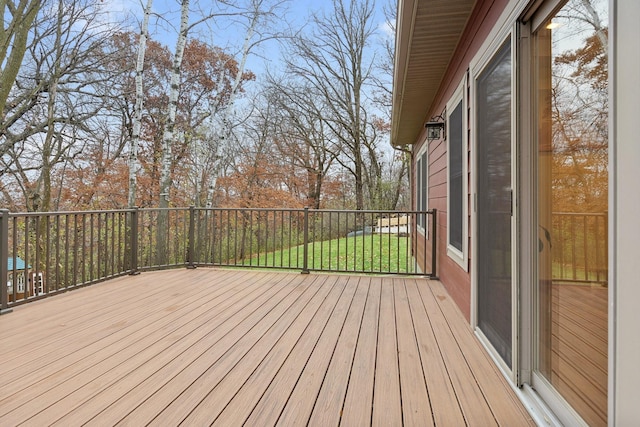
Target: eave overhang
[(427, 33)]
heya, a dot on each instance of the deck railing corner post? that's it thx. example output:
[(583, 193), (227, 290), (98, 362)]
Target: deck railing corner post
[(192, 239), (305, 245), (4, 259)]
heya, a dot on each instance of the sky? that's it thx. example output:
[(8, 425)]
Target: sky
[(222, 31)]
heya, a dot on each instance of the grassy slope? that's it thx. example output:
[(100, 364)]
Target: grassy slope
[(370, 253)]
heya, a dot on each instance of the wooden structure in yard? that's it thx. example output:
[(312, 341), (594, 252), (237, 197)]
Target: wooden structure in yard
[(393, 225), (22, 282)]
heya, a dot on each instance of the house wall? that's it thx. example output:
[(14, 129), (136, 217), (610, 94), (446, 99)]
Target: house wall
[(624, 232), (456, 279), (27, 285)]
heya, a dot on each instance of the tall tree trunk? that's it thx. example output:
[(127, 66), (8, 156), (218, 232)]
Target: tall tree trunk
[(44, 182), (225, 131), (137, 115), (168, 135), (14, 35), (315, 179), (174, 90), (359, 184), (211, 187), (399, 182), (597, 24)]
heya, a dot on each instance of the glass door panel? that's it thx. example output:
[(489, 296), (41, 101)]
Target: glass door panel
[(572, 169)]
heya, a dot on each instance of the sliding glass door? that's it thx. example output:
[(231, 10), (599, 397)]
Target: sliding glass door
[(571, 99)]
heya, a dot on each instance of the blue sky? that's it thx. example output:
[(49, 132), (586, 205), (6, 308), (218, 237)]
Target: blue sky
[(223, 32)]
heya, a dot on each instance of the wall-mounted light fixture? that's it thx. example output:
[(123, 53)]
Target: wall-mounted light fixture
[(435, 130)]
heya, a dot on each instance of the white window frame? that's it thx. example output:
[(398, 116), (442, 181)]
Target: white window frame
[(422, 158), (21, 282), (461, 257)]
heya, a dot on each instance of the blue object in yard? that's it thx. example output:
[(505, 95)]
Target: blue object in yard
[(20, 265)]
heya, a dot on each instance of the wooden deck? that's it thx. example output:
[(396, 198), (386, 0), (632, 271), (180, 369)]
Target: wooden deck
[(222, 347), (579, 349)]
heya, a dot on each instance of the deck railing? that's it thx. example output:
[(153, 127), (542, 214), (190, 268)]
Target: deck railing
[(45, 253), (580, 247)]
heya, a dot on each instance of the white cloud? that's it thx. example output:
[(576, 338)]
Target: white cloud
[(387, 29)]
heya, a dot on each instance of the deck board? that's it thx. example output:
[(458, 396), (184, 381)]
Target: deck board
[(268, 407), (416, 407), (472, 401), (387, 407), (205, 409), (445, 406), (228, 347), (328, 405), (84, 352), (300, 401), (356, 408), (331, 347), (132, 365), (183, 383), (191, 359), (500, 399)]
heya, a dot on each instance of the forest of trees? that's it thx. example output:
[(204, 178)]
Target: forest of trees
[(147, 110)]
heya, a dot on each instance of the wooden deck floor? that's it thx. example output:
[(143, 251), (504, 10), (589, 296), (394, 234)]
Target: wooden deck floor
[(205, 346)]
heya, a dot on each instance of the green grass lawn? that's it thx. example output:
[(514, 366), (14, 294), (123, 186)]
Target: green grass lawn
[(370, 253)]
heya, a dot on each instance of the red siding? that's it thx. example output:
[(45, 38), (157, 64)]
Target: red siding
[(455, 278)]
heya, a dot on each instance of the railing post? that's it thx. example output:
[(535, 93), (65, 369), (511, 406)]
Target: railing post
[(192, 240), (305, 245), (434, 239), (133, 241), (4, 259)]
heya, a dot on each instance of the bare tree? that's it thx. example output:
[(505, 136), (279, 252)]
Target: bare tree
[(334, 60), (388, 174), (168, 134), (301, 134), (53, 100), (17, 19), (137, 119), (579, 100), (174, 91), (259, 19)]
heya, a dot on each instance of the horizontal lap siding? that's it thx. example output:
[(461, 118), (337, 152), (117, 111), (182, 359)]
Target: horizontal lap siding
[(453, 277), (456, 280)]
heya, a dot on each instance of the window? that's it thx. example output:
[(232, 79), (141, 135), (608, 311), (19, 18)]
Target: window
[(456, 177), (10, 283), (422, 185), (20, 281)]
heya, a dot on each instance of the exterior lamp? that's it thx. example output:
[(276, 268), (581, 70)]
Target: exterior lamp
[(435, 130)]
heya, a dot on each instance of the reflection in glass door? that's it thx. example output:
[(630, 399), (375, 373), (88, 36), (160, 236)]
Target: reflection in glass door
[(572, 111), (494, 203)]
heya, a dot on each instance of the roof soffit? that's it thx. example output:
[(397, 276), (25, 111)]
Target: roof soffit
[(427, 35)]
